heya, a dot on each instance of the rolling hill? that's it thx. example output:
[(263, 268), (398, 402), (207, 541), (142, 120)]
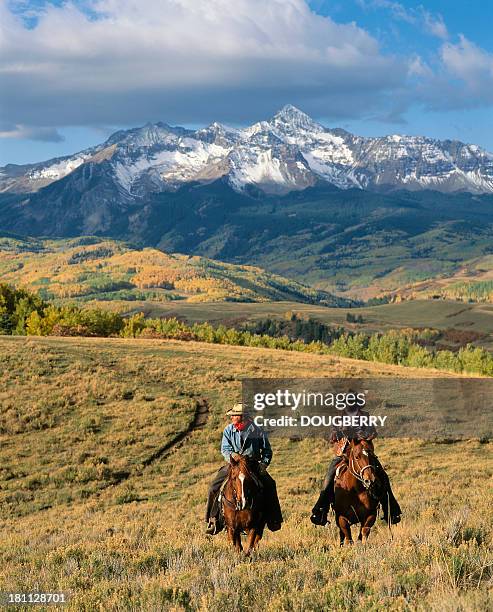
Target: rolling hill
[(106, 456), (93, 269), (472, 282)]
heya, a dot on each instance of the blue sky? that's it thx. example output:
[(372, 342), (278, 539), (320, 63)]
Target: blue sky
[(73, 72)]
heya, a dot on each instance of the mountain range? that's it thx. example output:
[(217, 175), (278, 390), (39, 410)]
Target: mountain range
[(288, 152), (345, 214)]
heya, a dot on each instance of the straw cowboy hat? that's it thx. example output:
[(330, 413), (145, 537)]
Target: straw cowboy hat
[(237, 410)]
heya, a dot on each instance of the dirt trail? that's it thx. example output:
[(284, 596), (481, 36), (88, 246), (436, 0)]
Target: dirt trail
[(199, 420)]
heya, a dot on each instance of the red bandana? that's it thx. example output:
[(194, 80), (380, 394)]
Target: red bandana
[(240, 426)]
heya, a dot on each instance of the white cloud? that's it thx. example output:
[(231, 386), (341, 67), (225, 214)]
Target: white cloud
[(434, 24), (462, 78), (186, 60), (420, 17), (471, 64), (126, 62), (23, 132), (397, 10)]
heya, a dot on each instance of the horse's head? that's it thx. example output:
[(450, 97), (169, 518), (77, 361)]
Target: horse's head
[(362, 462), (242, 481)]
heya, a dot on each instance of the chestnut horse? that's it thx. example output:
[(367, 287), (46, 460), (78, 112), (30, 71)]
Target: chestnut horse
[(356, 499), (242, 504)]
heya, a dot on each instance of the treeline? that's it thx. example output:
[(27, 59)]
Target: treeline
[(16, 305), (295, 327), (477, 291), (22, 313), (378, 301), (396, 347)]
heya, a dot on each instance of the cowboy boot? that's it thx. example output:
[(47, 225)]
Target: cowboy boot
[(320, 509), (395, 510), (388, 502)]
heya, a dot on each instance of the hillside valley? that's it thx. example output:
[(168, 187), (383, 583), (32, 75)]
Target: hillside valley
[(352, 242), (90, 269)]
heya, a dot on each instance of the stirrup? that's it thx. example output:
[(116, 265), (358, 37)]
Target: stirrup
[(212, 527)]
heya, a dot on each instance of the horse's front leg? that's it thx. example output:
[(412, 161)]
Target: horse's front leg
[(344, 530), (366, 527), (251, 541), (237, 540), (231, 535), (341, 532), (363, 534)]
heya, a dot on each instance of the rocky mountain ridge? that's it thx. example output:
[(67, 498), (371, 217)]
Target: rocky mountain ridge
[(289, 152)]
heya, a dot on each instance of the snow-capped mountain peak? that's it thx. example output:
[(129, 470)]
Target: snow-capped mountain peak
[(291, 120), (287, 152)]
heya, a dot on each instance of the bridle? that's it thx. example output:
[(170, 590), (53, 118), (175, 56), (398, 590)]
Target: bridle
[(235, 503), (356, 470)]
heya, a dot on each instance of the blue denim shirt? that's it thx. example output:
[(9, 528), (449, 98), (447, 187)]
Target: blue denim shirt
[(252, 441)]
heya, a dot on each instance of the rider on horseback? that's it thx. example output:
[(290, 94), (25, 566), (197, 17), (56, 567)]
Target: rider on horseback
[(243, 437), (341, 438)]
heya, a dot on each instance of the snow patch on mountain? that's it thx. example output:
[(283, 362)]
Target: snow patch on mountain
[(191, 158), (177, 165), (289, 151), (261, 168), (330, 170), (59, 169)]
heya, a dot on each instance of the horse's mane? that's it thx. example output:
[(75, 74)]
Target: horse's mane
[(366, 444), (245, 465)]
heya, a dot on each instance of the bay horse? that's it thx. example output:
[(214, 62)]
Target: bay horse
[(242, 504), (355, 487)]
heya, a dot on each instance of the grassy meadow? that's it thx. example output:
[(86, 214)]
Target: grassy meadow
[(473, 280), (459, 323), (439, 314), (104, 469)]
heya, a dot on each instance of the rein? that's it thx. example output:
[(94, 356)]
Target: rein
[(236, 503), (233, 504), (358, 473)]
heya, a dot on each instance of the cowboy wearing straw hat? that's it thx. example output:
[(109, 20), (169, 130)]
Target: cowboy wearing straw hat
[(243, 437)]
